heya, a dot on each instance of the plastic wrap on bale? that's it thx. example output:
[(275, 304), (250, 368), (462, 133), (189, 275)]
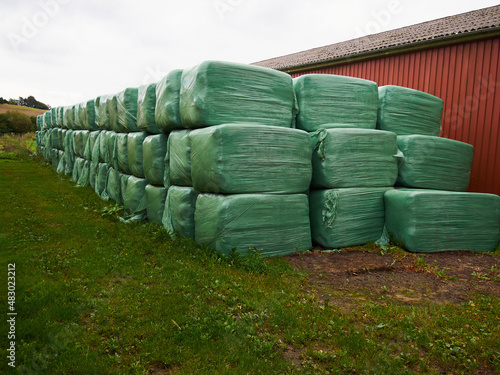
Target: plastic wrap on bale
[(104, 151), (113, 186), (216, 92), (273, 224), (180, 206), (167, 112), (155, 203), (406, 111), (126, 104), (113, 149), (434, 163), (146, 102), (154, 149), (178, 159), (68, 152), (135, 153), (335, 100), (347, 217), (242, 158), (345, 158), (104, 123), (134, 200), (102, 180), (122, 153), (84, 174), (112, 105), (427, 221)]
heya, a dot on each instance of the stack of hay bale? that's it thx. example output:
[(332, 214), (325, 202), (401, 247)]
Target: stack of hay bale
[(251, 169), (212, 153), (353, 164), (432, 212)]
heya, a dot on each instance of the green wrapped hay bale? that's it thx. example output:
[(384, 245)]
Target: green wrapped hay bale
[(167, 112), (179, 211), (146, 103), (77, 169), (178, 159), (53, 117), (238, 158), (113, 149), (93, 169), (155, 203), (216, 92), (134, 200), (84, 174), (347, 217), (276, 224), (47, 120), (90, 123), (122, 152), (426, 221), (104, 150), (97, 107), (68, 152), (126, 104), (104, 122), (154, 149), (123, 185), (434, 163), (102, 180), (135, 153), (113, 186), (69, 117), (39, 122), (87, 154), (112, 104), (406, 111), (333, 99), (61, 165), (60, 117), (354, 158)]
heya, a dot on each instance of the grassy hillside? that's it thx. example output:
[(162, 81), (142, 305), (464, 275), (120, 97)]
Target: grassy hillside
[(27, 111)]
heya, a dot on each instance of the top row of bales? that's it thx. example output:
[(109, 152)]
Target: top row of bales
[(215, 93)]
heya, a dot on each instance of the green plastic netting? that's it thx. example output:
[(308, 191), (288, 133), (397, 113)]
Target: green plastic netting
[(429, 221), (97, 112), (406, 111), (179, 211), (354, 158), (146, 102), (216, 92), (134, 200), (333, 99), (135, 154), (347, 217), (154, 149), (167, 113), (155, 203), (240, 158), (178, 159), (434, 163), (122, 153), (275, 224), (126, 104)]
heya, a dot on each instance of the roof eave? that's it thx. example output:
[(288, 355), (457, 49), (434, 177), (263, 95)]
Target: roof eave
[(394, 50)]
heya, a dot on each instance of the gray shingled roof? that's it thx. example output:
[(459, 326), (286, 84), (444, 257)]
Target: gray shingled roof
[(447, 27)]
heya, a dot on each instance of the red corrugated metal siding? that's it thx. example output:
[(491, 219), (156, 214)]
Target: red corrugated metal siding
[(467, 77)]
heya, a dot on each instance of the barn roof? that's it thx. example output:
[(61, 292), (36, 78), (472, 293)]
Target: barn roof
[(476, 23)]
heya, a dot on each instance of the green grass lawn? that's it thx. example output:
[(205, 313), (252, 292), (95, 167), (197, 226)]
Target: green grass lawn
[(97, 296)]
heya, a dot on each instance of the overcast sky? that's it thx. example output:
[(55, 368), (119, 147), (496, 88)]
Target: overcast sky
[(68, 51)]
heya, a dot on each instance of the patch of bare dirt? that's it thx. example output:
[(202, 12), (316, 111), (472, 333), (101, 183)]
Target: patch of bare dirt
[(364, 274)]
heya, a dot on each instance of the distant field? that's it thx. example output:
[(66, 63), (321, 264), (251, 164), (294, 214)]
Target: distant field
[(27, 111)]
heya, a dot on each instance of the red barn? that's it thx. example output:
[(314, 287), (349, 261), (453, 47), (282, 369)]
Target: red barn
[(455, 58)]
